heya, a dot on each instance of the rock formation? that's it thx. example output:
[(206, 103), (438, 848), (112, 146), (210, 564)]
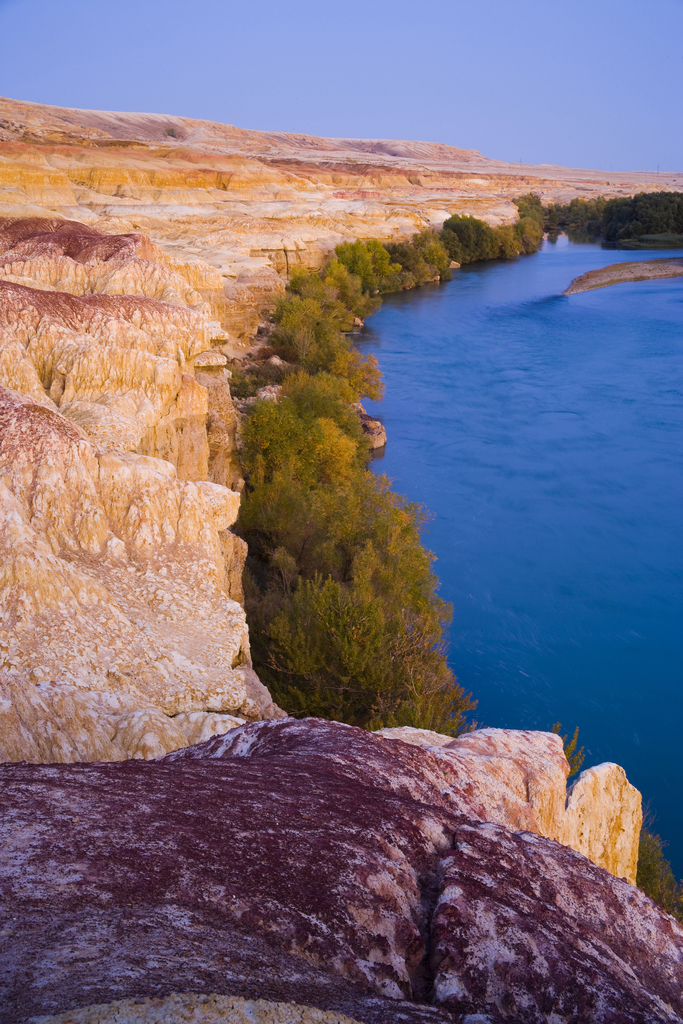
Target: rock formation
[(197, 1009), (121, 632), (232, 209), (518, 779), (315, 863)]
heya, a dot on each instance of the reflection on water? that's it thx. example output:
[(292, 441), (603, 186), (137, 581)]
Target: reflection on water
[(544, 434)]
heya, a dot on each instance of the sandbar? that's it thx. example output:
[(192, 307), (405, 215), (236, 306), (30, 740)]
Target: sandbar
[(617, 273)]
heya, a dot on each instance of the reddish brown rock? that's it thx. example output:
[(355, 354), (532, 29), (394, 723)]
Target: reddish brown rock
[(302, 861), (528, 930), (273, 867)]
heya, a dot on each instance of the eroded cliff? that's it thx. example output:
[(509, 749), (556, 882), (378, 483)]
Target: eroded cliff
[(122, 632), (245, 869), (254, 204)]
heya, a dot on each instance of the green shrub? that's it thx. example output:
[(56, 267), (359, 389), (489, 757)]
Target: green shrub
[(581, 218), (655, 876), (396, 266), (345, 618), (424, 258), (311, 325), (344, 614), (371, 263), (648, 213), (468, 239), (575, 756)]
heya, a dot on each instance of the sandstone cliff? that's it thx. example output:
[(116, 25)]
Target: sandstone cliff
[(313, 863), (122, 634), (233, 208), (518, 779)]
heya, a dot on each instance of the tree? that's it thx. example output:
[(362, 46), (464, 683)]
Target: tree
[(574, 756), (654, 875)]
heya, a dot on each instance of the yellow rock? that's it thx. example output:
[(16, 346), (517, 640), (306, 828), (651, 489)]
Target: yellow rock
[(518, 778)]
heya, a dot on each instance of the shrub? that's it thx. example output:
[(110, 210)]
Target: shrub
[(344, 613), (345, 618), (396, 266), (468, 239), (311, 321), (574, 754), (655, 876)]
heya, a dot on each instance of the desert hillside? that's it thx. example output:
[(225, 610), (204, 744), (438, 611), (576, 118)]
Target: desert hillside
[(246, 202)]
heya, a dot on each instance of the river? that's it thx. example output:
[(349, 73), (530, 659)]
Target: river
[(544, 434)]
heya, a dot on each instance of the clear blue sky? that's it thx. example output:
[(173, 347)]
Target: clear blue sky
[(589, 83)]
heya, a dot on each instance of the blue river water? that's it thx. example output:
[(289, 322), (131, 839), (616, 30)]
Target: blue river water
[(544, 434)]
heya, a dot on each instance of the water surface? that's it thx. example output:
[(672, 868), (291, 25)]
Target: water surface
[(544, 434)]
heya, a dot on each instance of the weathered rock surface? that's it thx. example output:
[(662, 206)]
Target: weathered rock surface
[(527, 930), (374, 431), (121, 579), (113, 597), (196, 1009), (120, 365), (315, 863), (253, 205), (603, 819), (518, 779)]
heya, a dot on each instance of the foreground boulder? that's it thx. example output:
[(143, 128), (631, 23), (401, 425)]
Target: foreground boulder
[(314, 863), (528, 930)]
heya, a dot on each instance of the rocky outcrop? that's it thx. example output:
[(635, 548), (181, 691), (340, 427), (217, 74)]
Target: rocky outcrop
[(314, 863), (121, 579), (527, 930), (114, 597), (603, 819), (518, 779)]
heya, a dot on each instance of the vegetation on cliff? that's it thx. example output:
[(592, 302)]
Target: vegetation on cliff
[(655, 876), (345, 619), (647, 220), (575, 755)]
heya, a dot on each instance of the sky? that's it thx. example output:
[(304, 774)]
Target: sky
[(583, 83)]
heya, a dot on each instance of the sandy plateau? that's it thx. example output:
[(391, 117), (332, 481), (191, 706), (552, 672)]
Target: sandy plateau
[(250, 203)]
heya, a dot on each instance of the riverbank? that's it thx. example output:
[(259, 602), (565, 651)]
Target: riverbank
[(544, 437), (620, 273)]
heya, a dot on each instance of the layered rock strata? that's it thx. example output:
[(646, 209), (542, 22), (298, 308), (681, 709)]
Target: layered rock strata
[(121, 628), (314, 863), (254, 205), (116, 618)]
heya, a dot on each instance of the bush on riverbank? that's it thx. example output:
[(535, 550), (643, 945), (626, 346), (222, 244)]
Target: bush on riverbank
[(653, 214), (579, 218), (345, 618), (467, 239), (396, 266)]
